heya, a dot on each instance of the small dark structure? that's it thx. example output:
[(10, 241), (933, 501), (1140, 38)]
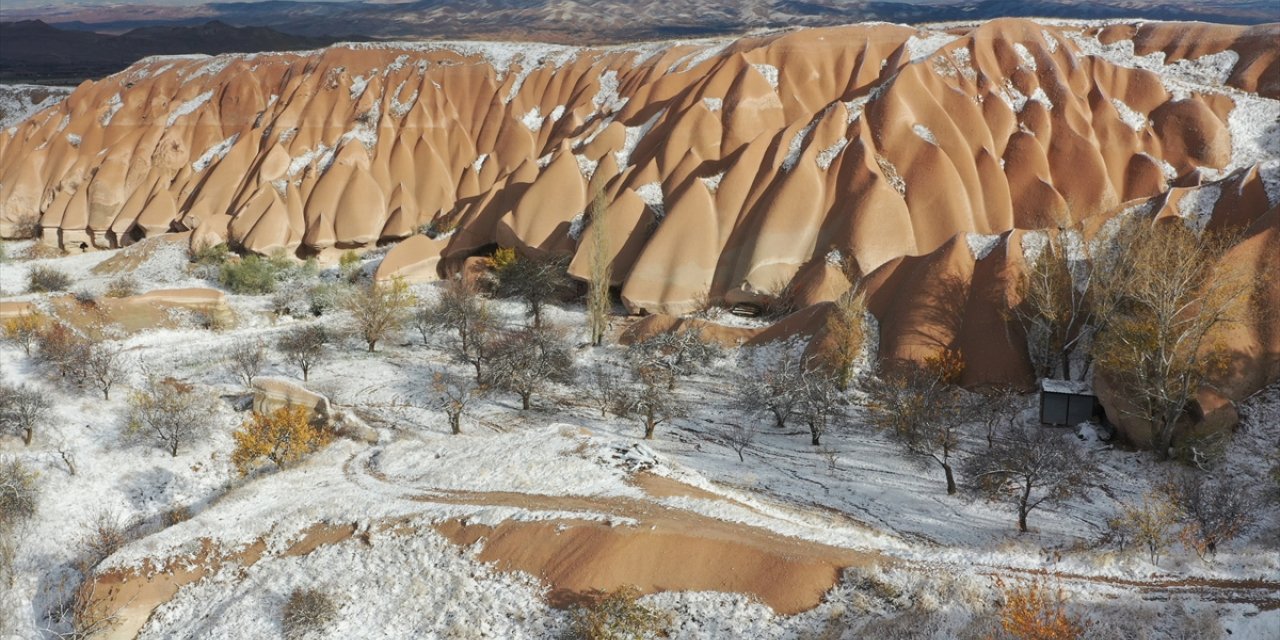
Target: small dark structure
[(1067, 403)]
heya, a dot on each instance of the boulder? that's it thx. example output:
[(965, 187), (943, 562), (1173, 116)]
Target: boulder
[(271, 393), (417, 259)]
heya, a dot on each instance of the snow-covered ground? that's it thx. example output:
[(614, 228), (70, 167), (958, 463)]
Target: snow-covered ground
[(936, 553)]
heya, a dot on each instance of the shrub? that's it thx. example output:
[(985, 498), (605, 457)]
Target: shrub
[(379, 309), (211, 254), (122, 287), (304, 347), (326, 296), (306, 612), (618, 615), (1148, 524), (22, 410), (60, 347), (283, 437), (251, 275), (19, 492), (103, 535), (42, 279), (1033, 611)]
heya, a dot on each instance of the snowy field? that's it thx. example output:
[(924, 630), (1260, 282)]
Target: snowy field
[(931, 558)]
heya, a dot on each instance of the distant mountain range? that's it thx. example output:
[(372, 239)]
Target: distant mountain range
[(70, 43), (33, 51)]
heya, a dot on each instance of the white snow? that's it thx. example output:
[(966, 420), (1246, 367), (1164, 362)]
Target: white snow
[(557, 113), (1050, 41), (586, 166), (1025, 59), (1135, 120), (1040, 96), (713, 182), (829, 155), (769, 72), (113, 106), (188, 107), (713, 104), (532, 120), (215, 153), (651, 194), (358, 86), (925, 133), (607, 99), (1196, 206), (478, 164), (633, 137), (73, 139), (920, 48), (577, 225), (796, 146), (1269, 172), (981, 245)]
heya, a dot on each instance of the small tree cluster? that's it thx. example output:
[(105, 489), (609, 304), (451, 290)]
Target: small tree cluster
[(253, 274), (535, 281), (379, 309), (1213, 512), (282, 437), (460, 309), (649, 398), (673, 354), (821, 402), (618, 615), (64, 350), (1030, 466), (453, 395), (772, 381), (24, 330), (246, 360), (22, 411), (170, 413), (527, 360), (603, 386), (1149, 523), (19, 493), (846, 335), (917, 407), (303, 347)]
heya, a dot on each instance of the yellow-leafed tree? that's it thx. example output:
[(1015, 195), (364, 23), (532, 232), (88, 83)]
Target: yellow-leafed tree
[(1036, 612), (283, 437)]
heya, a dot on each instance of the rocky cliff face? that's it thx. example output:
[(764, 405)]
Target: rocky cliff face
[(728, 167)]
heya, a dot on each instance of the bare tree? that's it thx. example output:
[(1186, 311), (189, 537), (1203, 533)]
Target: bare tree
[(24, 330), (1054, 302), (104, 367), (1158, 349), (536, 281), (22, 410), (603, 385), (461, 309), (739, 437), (995, 407), (673, 353), (246, 361), (170, 413), (771, 380), (846, 334), (526, 360), (648, 398), (453, 395), (821, 402), (379, 309), (19, 492), (304, 347), (599, 302), (63, 349), (918, 409), (1213, 512), (1034, 466), (1148, 523)]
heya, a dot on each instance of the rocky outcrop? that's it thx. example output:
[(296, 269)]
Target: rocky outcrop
[(270, 394)]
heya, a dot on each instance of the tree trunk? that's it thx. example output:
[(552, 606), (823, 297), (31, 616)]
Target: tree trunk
[(815, 434), (476, 363), (1022, 507), (524, 400), (780, 420), (372, 344), (454, 425), (951, 479), (27, 435), (649, 426), (174, 449), (1066, 365), (106, 393), (740, 458)]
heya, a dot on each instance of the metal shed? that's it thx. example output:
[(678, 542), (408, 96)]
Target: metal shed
[(1067, 403)]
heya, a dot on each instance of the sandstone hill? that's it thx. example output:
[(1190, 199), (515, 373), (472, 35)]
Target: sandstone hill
[(731, 169)]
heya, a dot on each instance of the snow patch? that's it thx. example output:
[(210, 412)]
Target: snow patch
[(920, 48), (215, 153), (607, 99), (1255, 130), (586, 166), (712, 183), (1269, 172), (186, 108), (925, 133), (1196, 206), (1050, 41), (1043, 98), (557, 113), (74, 140), (479, 162), (1135, 120), (651, 194), (769, 72), (829, 155), (713, 104), (532, 120), (633, 137), (795, 147), (577, 225), (981, 245), (1025, 59), (359, 85)]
